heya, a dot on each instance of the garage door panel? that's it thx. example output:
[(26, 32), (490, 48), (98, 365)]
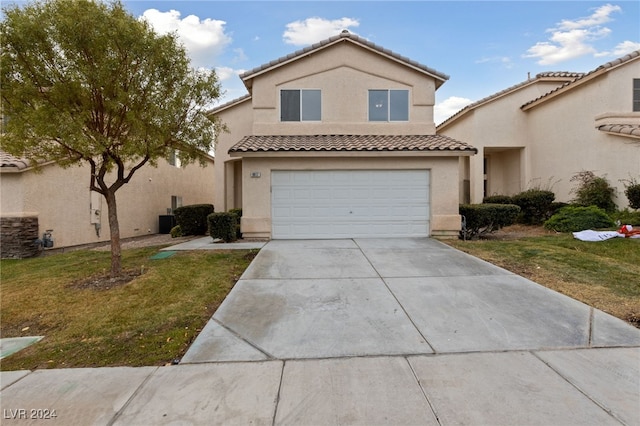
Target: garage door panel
[(350, 203)]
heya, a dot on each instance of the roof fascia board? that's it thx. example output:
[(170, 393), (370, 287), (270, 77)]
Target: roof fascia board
[(578, 82), (315, 154), (230, 104), (562, 90)]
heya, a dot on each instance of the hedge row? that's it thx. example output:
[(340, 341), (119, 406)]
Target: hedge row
[(481, 219), (225, 225), (192, 219)]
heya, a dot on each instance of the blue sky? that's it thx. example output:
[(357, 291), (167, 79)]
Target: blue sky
[(484, 46)]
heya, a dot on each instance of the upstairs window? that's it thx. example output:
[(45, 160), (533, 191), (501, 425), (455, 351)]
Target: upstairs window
[(388, 105), (300, 105), (636, 94)]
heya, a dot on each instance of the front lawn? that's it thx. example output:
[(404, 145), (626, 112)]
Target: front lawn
[(605, 274), (85, 322)]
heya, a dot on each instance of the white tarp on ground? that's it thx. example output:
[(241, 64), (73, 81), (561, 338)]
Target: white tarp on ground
[(590, 235), (625, 231)]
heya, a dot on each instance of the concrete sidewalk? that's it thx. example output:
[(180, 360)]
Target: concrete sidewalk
[(406, 331)]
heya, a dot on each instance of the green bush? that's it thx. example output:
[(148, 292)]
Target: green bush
[(485, 218), (497, 199), (238, 213), (535, 205), (556, 206), (593, 190), (579, 218), (192, 219), (632, 191), (627, 217), (223, 225), (176, 232)]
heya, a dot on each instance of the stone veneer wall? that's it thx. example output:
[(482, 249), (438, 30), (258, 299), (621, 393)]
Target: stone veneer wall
[(17, 236)]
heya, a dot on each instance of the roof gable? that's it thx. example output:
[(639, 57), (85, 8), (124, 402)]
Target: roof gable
[(560, 76), (576, 82), (344, 36)]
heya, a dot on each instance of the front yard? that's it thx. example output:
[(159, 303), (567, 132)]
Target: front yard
[(150, 320), (605, 274)]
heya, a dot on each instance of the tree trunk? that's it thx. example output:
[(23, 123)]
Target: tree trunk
[(114, 230)]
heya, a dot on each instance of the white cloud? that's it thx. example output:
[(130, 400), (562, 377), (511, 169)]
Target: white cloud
[(204, 39), (573, 38), (622, 49), (312, 30), (225, 73), (449, 107), (599, 17)]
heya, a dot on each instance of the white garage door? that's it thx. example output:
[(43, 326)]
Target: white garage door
[(349, 203)]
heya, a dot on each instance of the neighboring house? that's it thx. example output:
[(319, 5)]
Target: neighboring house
[(60, 199), (543, 131), (337, 140)]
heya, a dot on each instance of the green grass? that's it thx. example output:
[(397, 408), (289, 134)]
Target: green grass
[(605, 274), (150, 320)]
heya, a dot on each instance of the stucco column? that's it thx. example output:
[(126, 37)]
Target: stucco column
[(476, 176)]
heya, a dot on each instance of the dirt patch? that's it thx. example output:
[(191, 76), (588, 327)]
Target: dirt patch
[(148, 241), (105, 282), (518, 231)]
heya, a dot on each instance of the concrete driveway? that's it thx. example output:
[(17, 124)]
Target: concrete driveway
[(367, 297), (370, 332)]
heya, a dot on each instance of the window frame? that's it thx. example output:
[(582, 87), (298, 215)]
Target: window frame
[(635, 97), (389, 106), (301, 110)]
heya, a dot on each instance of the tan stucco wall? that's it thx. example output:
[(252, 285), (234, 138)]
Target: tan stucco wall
[(239, 124), (61, 199), (558, 137), (344, 73), (256, 220), (564, 140)]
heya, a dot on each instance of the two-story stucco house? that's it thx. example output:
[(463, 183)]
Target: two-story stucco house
[(545, 130), (338, 140)]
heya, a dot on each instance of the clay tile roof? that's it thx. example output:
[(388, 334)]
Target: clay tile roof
[(350, 143), (622, 129), (8, 160), (345, 35), (539, 76), (584, 76)]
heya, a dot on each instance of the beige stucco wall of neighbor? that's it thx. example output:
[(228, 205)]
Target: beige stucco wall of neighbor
[(61, 199), (498, 123), (256, 219), (564, 139), (344, 73)]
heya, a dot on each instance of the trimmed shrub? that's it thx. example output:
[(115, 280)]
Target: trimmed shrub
[(193, 219), (535, 205), (497, 199), (176, 232), (627, 217), (593, 190), (632, 191), (223, 225), (238, 213), (579, 218), (556, 206), (485, 218)]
